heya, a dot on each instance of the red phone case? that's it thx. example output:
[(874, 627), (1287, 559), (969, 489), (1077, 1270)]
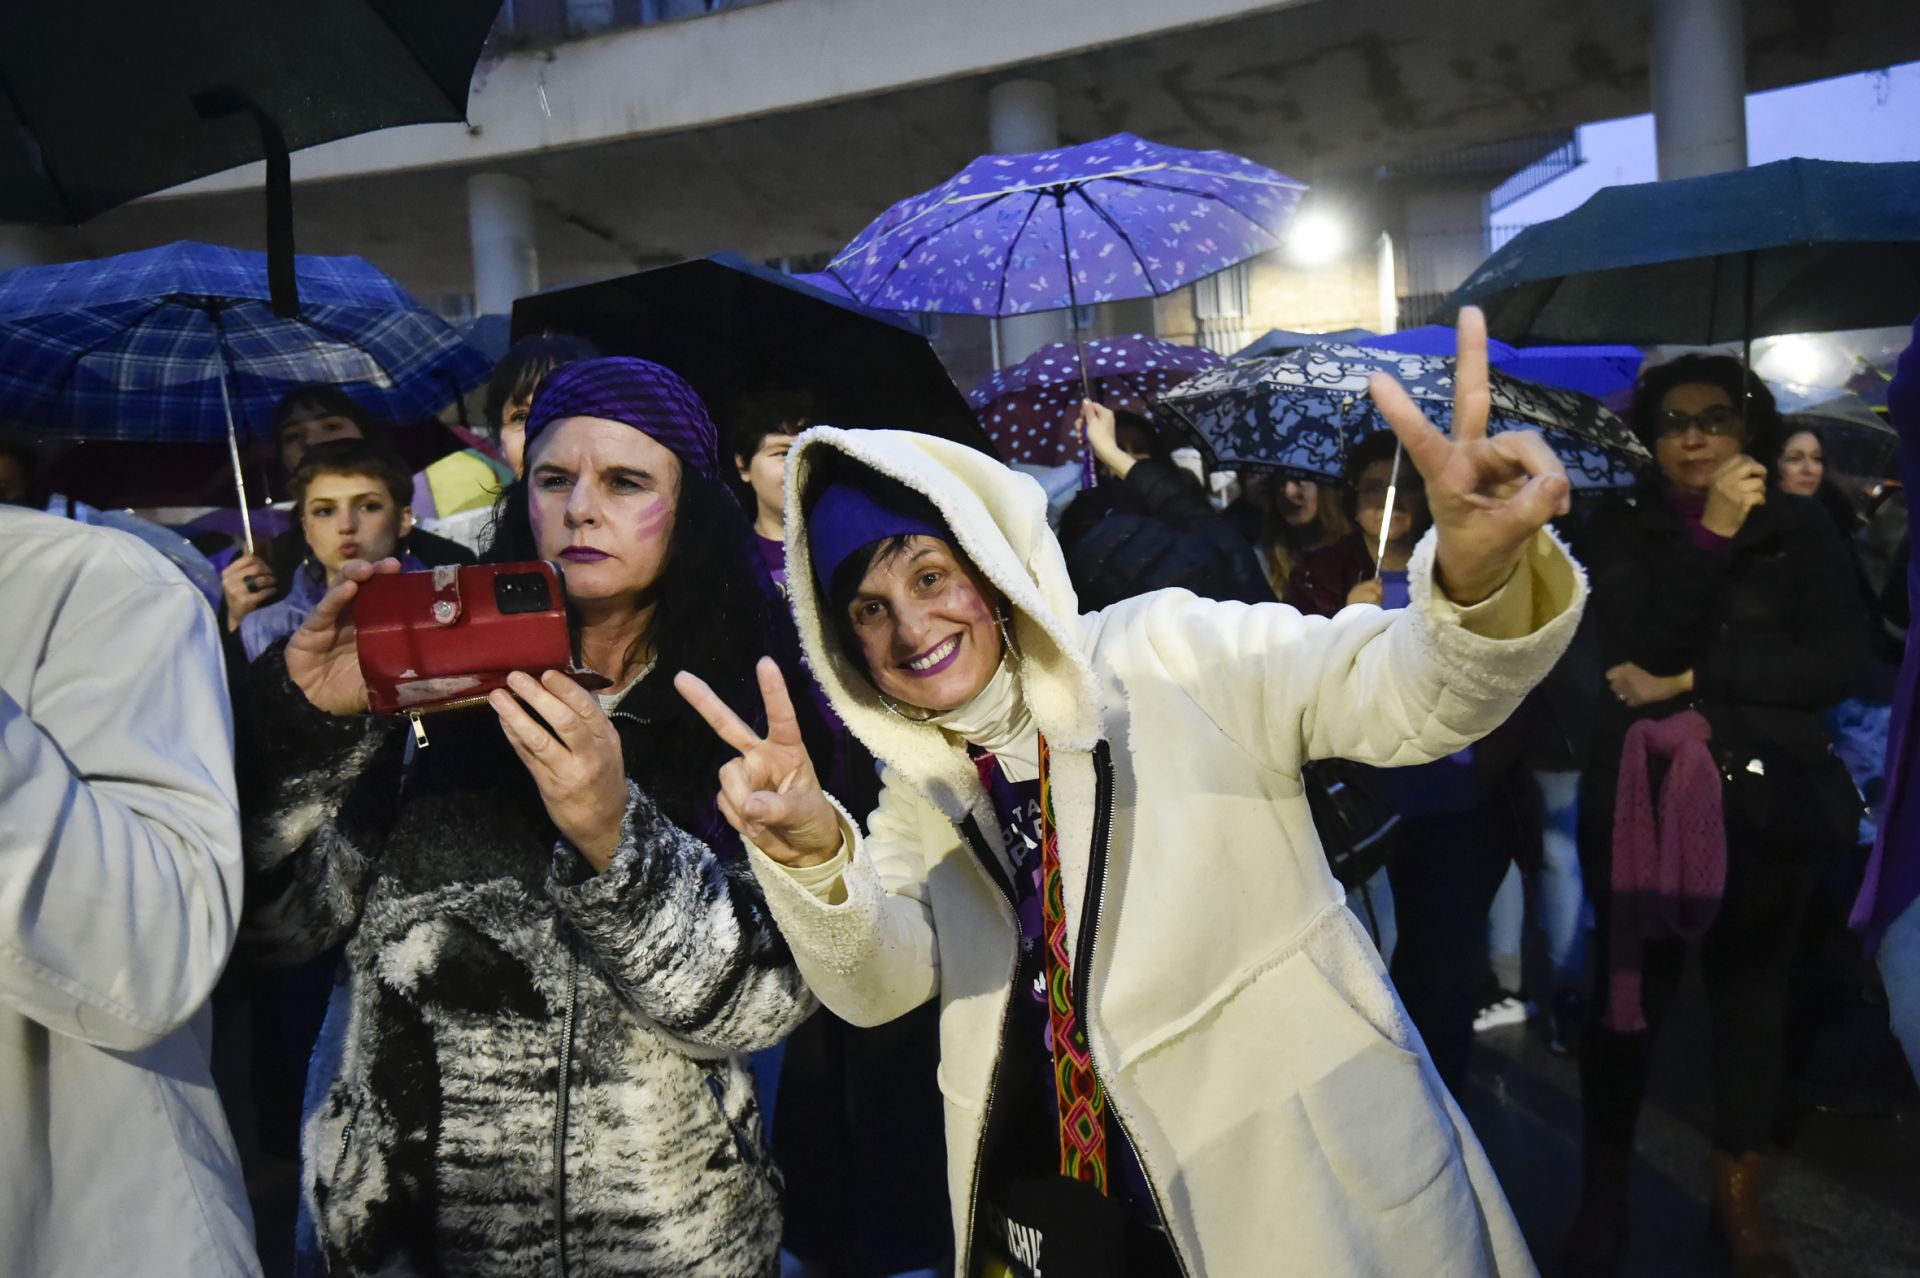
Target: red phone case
[(445, 638)]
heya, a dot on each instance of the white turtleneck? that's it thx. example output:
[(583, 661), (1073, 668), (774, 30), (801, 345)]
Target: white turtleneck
[(996, 720)]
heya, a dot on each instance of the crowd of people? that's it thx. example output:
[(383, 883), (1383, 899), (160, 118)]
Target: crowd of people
[(921, 887)]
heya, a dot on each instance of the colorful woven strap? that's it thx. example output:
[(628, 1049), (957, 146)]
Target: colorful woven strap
[(1083, 1106)]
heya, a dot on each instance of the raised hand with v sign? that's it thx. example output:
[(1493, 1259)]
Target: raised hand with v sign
[(770, 794), (1488, 497)]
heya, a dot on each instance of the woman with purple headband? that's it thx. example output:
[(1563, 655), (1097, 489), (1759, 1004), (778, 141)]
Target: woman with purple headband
[(555, 954)]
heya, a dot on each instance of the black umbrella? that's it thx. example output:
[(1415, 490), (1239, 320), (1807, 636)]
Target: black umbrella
[(104, 102), (1797, 246), (728, 326)]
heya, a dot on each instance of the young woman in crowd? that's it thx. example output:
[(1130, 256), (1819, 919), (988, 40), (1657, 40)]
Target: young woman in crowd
[(1166, 1046), (1345, 571), (1728, 624), (1286, 518), (554, 956)]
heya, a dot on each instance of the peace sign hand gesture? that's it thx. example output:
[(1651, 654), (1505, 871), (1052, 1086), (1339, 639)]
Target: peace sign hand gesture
[(769, 794), (1488, 496)]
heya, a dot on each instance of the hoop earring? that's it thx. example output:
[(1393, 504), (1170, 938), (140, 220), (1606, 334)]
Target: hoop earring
[(898, 713)]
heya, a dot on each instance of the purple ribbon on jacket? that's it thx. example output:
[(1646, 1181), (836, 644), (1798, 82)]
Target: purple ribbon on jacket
[(1669, 866)]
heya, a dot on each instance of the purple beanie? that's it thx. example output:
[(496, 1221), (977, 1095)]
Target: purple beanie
[(652, 399), (847, 517)]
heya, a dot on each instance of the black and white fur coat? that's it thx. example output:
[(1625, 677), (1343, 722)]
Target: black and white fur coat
[(540, 1071)]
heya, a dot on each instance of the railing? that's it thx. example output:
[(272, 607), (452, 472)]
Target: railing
[(534, 22)]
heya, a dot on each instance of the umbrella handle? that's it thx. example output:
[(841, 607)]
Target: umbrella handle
[(1089, 473), (239, 473), (1386, 515)]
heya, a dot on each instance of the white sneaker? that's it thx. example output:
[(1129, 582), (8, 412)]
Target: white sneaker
[(1506, 1010)]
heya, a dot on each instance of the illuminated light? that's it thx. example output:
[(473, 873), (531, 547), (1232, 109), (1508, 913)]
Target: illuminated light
[(1316, 238)]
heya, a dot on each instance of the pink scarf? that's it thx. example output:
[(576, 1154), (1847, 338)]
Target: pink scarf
[(1669, 872)]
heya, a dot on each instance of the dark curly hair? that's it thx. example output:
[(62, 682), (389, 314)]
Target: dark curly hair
[(525, 365), (1745, 391)]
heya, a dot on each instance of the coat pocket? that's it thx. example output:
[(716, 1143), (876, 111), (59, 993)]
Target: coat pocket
[(1384, 1132)]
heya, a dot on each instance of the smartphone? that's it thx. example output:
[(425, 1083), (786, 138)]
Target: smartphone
[(445, 638)]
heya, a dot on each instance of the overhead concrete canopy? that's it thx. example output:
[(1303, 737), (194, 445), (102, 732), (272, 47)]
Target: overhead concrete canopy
[(781, 129)]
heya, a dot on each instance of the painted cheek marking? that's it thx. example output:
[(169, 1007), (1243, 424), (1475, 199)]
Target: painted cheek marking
[(653, 520)]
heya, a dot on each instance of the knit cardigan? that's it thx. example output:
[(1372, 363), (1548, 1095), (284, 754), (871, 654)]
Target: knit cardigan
[(540, 1072)]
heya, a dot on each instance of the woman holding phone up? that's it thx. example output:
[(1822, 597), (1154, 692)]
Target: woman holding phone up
[(1165, 1045), (553, 953)]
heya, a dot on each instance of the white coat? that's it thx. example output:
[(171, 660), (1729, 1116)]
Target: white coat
[(1283, 1108), (119, 895)]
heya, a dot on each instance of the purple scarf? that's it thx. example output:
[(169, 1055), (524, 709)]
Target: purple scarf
[(652, 399), (1668, 872)]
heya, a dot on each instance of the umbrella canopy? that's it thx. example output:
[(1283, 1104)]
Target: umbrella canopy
[(103, 107), (1118, 218), (1031, 408), (1278, 341), (726, 324), (153, 345), (1301, 412), (1795, 246)]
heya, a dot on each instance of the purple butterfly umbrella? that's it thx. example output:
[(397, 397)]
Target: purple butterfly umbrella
[(1031, 409), (1118, 218)]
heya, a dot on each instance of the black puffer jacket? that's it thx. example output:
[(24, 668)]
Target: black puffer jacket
[(1772, 627), (1150, 531), (540, 1067)]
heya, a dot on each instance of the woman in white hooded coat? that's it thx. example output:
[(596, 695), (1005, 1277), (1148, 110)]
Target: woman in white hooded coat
[(1258, 1102)]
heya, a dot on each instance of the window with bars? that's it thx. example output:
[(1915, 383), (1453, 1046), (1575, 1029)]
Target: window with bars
[(1222, 309)]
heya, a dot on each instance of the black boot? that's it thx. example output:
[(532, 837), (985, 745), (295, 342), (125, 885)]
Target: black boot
[(1596, 1244)]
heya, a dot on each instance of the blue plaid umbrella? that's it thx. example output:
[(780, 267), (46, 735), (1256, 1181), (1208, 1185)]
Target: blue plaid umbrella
[(1302, 411), (180, 344)]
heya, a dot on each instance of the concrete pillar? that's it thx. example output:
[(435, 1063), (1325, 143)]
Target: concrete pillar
[(506, 263), (1386, 285), (23, 245), (1699, 74), (1024, 115)]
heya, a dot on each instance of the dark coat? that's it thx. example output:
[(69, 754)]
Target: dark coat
[(1155, 529), (1772, 627), (541, 1066), (1322, 579)]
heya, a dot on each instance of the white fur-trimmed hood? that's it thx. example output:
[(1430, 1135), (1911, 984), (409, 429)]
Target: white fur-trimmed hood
[(999, 518)]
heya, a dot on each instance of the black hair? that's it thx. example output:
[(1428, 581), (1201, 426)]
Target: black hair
[(1744, 389), (761, 411), (525, 365), (710, 618), (830, 467), (1374, 449), (1157, 446), (351, 457), (321, 399)]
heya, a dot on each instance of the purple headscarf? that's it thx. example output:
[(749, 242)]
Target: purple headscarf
[(846, 517), (652, 399)]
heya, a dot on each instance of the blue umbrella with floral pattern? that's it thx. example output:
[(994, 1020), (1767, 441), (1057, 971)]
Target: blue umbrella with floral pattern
[(1031, 409), (1300, 412)]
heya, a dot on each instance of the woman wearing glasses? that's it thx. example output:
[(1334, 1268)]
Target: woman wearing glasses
[(1727, 624)]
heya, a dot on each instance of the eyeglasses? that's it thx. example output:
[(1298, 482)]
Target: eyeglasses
[(1713, 422)]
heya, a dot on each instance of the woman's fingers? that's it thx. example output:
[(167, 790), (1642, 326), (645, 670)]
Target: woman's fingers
[(730, 727), (1472, 397), (783, 727), (1425, 446), (533, 742), (561, 719)]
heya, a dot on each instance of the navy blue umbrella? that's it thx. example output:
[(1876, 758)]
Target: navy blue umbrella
[(1302, 412), (1797, 246)]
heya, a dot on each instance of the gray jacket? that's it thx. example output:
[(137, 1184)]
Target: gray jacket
[(119, 894)]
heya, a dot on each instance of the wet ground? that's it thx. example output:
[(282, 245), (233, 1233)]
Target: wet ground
[(1846, 1188)]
